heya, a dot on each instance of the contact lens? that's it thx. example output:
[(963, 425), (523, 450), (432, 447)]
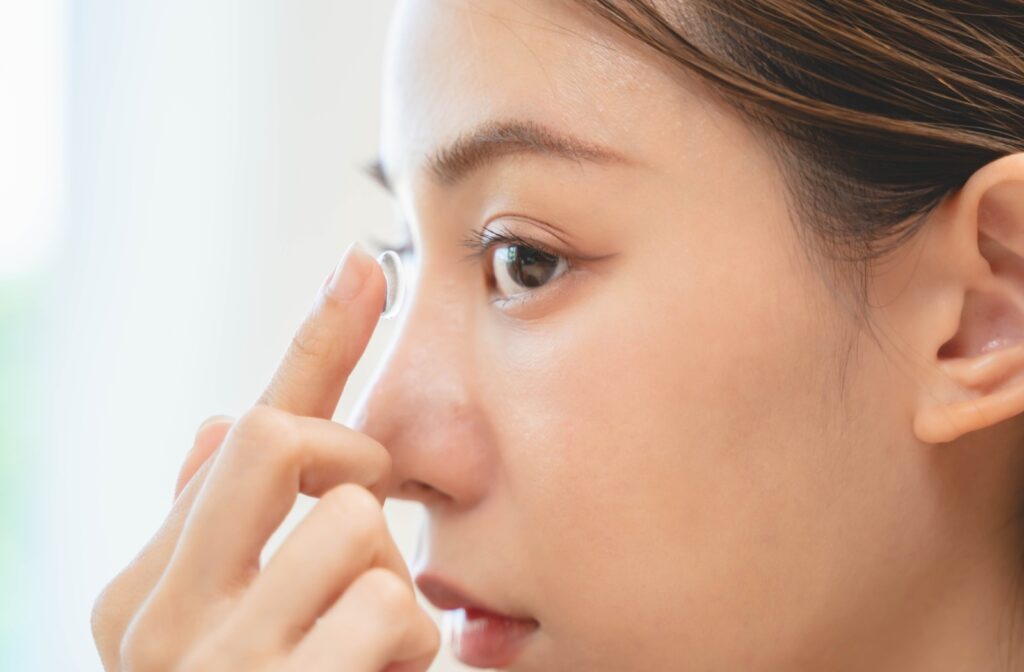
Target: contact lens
[(391, 264)]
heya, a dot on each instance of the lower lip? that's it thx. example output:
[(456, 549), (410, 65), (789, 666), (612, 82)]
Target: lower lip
[(481, 639)]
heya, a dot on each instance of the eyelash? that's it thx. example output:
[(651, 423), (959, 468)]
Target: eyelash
[(480, 243)]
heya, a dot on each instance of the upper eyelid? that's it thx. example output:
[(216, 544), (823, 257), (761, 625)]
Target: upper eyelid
[(483, 241), (475, 240), (478, 241)]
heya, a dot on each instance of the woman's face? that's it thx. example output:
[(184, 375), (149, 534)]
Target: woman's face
[(644, 449)]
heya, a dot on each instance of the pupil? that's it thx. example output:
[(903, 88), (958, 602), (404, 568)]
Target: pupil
[(526, 265)]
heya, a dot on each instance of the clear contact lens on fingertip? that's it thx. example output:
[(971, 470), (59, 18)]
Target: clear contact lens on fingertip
[(391, 264)]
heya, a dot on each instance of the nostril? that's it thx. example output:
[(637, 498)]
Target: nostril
[(416, 486), (421, 491)]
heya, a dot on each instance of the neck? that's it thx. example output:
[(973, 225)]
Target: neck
[(972, 617)]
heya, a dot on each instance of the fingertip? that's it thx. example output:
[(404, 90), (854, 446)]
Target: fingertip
[(331, 339), (212, 419), (351, 274)]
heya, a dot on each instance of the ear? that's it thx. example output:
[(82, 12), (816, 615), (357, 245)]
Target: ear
[(980, 301)]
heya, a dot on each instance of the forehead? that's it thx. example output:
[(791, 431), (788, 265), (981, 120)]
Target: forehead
[(454, 64)]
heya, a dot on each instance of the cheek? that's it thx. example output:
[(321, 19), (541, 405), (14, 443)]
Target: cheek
[(671, 424), (674, 375)]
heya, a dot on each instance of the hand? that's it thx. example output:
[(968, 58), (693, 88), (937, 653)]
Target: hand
[(337, 594)]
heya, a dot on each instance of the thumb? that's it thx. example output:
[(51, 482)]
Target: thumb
[(208, 438)]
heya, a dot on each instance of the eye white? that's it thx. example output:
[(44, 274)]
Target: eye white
[(520, 270)]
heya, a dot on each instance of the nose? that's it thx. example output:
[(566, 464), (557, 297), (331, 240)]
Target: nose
[(420, 405)]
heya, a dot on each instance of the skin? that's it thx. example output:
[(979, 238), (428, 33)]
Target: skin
[(196, 598), (653, 459), (653, 456)]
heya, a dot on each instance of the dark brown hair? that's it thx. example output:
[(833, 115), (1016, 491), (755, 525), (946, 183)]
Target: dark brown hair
[(876, 109)]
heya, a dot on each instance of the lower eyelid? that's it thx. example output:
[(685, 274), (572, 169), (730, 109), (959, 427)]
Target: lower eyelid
[(541, 294), (408, 249)]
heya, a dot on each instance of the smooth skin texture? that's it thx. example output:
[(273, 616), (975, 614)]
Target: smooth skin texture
[(337, 594), (653, 456)]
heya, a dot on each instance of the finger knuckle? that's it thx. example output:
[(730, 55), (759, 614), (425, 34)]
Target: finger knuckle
[(100, 616), (390, 592), (431, 634), (200, 659), (143, 649), (265, 432), (359, 510), (356, 498), (111, 611), (257, 421), (312, 341), (214, 420), (383, 463), (375, 463)]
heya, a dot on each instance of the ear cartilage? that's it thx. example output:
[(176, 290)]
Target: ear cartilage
[(391, 264)]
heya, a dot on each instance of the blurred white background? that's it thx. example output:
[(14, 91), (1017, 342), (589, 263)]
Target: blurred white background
[(183, 176)]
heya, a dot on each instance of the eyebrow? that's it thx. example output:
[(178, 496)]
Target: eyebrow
[(492, 140)]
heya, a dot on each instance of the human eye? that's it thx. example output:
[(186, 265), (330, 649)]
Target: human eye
[(521, 267)]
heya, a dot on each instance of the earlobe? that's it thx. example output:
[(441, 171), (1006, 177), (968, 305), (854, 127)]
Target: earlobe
[(993, 385), (983, 362)]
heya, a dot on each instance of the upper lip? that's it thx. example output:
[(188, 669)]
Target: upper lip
[(444, 594)]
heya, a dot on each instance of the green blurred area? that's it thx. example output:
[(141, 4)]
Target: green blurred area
[(18, 331)]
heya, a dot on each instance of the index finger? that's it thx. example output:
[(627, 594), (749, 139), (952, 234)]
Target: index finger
[(328, 344)]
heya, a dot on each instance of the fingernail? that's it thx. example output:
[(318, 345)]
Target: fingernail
[(351, 273)]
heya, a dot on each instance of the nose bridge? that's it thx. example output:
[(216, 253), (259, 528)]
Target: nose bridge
[(420, 405)]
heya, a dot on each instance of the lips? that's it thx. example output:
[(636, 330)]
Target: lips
[(479, 635), (445, 595)]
